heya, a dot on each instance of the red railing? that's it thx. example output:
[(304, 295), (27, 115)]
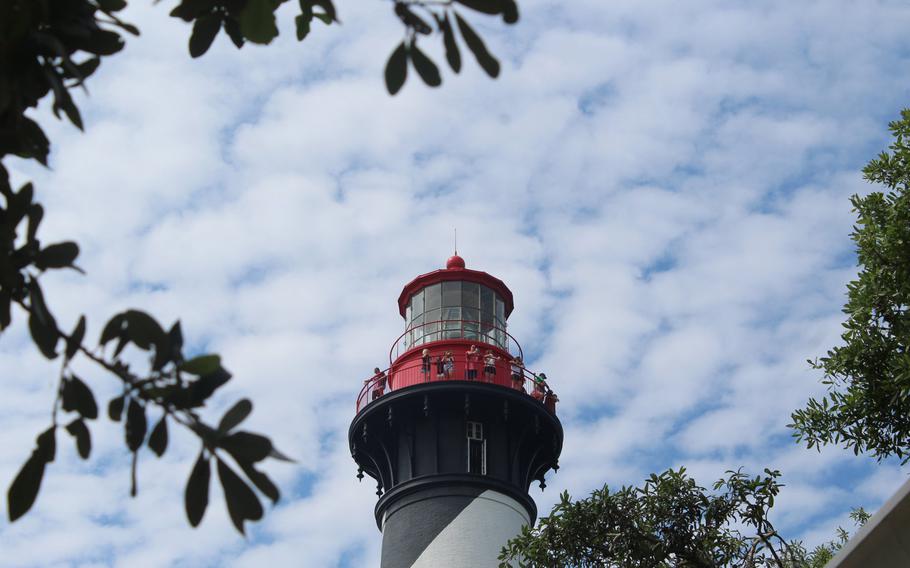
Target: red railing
[(443, 330), (413, 372)]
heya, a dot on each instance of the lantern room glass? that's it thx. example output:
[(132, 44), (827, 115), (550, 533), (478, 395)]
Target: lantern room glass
[(456, 310)]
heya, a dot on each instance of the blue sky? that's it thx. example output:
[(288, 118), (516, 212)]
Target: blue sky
[(663, 185)]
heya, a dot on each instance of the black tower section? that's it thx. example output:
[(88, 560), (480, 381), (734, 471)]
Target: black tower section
[(415, 439)]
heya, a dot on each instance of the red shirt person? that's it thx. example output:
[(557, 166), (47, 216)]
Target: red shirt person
[(378, 379), (473, 363)]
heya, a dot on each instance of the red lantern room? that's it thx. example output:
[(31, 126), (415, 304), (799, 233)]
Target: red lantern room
[(456, 329), (456, 428)]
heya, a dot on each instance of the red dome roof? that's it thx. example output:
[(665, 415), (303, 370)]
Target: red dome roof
[(455, 263), (454, 271)]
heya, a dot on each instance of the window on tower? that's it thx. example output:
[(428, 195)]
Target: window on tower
[(477, 449)]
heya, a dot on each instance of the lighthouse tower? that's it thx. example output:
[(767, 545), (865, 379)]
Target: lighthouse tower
[(455, 430)]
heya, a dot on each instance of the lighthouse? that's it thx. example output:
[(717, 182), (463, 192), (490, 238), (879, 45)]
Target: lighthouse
[(456, 429)]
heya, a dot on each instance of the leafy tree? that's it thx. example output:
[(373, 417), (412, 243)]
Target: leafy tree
[(867, 406), (669, 522), (49, 47)]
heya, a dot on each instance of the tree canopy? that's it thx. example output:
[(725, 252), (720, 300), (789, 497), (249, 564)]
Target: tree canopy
[(867, 406), (669, 522)]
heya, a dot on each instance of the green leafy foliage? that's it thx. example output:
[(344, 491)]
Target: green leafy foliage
[(174, 384), (396, 67), (49, 48), (867, 407), (669, 521)]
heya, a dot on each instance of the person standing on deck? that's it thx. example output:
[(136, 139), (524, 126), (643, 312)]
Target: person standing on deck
[(440, 367), (472, 363), (489, 365), (425, 364), (518, 374), (378, 379), (448, 365)]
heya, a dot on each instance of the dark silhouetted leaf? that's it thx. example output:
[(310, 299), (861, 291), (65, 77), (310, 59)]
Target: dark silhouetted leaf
[(396, 69), (477, 47), (58, 255), (47, 444), (32, 142), (196, 497), (242, 503), (115, 408), (412, 20), (41, 323), (257, 21), (112, 329), (280, 456), (19, 204), (77, 396), (453, 55), (204, 31), (303, 26), (79, 430), (205, 385), (102, 42), (485, 6), (128, 27), (261, 481), (75, 338), (510, 12), (175, 342), (112, 5), (425, 67), (82, 71), (328, 7), (201, 365), (143, 330), (5, 315), (235, 415), (246, 446), (189, 10), (158, 438), (232, 28), (35, 215), (136, 425), (24, 489), (72, 112)]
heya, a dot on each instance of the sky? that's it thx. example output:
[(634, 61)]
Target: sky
[(663, 185)]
